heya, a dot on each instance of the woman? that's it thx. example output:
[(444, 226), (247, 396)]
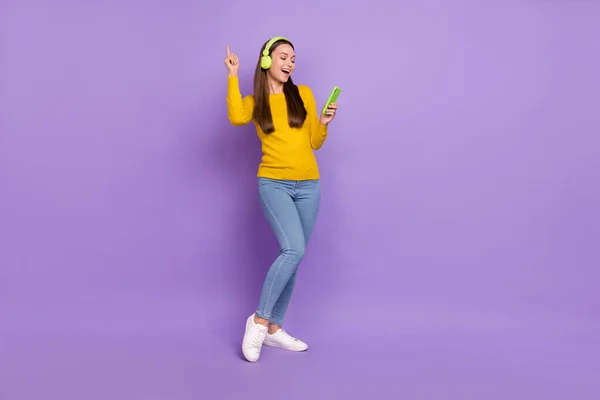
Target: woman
[(286, 120)]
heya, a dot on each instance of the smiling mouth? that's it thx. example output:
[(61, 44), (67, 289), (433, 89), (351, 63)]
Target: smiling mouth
[(286, 71)]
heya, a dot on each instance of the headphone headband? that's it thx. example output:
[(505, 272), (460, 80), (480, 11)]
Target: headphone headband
[(270, 43)]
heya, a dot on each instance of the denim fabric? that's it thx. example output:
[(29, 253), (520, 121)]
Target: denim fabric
[(291, 208)]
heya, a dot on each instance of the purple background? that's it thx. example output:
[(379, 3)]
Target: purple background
[(456, 254)]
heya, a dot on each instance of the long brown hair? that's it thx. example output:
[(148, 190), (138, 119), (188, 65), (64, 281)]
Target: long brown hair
[(262, 111)]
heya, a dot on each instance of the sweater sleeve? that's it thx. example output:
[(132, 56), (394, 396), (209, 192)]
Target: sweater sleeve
[(239, 110), (318, 132)]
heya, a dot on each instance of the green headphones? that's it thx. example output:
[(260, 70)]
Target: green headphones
[(265, 60)]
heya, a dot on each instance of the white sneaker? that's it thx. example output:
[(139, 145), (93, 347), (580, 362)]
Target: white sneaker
[(282, 340), (253, 339)]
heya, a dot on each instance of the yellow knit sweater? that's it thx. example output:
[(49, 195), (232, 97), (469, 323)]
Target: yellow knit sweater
[(287, 152)]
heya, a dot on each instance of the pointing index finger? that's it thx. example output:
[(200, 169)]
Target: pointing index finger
[(228, 52)]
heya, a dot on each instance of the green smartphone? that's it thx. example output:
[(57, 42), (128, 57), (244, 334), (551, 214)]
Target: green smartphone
[(332, 98)]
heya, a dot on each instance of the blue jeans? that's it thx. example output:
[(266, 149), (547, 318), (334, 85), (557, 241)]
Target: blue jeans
[(291, 209)]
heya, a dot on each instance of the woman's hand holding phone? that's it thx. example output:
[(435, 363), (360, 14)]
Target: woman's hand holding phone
[(328, 113)]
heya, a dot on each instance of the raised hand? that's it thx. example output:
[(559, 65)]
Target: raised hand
[(232, 62)]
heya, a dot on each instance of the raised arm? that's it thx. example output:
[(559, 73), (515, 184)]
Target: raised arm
[(239, 110)]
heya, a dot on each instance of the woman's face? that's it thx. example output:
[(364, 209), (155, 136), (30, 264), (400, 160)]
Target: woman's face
[(283, 63)]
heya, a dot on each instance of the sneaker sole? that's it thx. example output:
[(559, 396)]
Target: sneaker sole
[(279, 346)]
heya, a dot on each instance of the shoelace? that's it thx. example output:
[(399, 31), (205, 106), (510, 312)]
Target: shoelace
[(259, 338)]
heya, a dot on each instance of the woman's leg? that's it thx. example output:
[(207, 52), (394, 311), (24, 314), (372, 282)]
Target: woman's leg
[(291, 208), (307, 201), (276, 198), (278, 203)]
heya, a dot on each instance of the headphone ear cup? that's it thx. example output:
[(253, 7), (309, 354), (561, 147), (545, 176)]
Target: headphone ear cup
[(265, 62)]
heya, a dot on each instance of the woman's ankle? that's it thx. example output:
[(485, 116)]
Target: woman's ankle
[(273, 328), (261, 321)]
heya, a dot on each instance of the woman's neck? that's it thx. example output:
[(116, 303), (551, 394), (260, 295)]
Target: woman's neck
[(275, 87)]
